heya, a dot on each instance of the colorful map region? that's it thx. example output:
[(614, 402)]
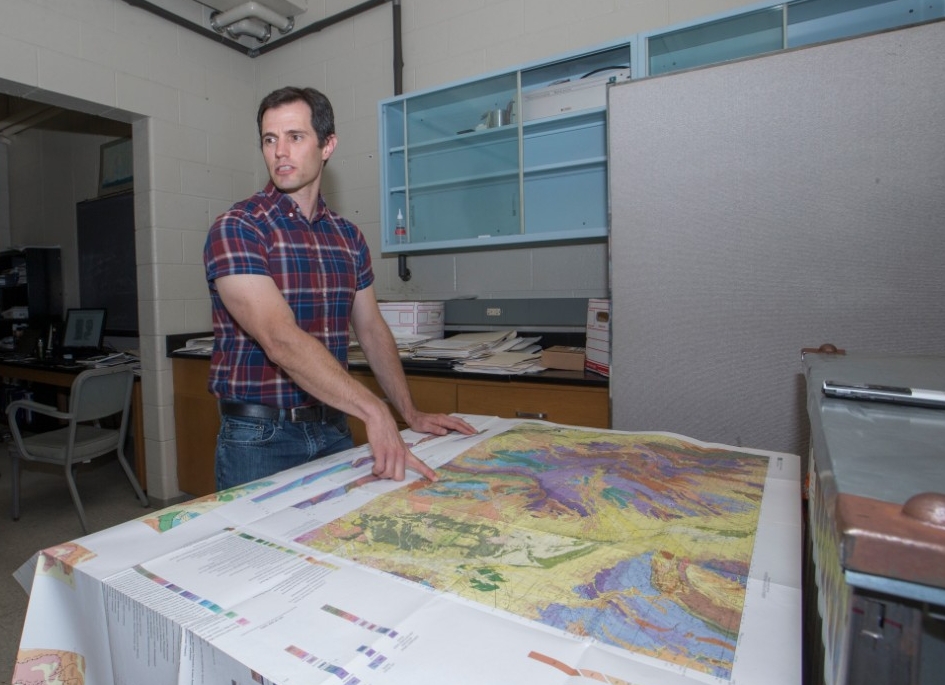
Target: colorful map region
[(48, 666), (260, 491), (639, 541), (315, 476), (576, 672), (178, 514), (60, 561)]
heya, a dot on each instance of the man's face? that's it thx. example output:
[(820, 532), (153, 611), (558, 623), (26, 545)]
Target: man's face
[(291, 149)]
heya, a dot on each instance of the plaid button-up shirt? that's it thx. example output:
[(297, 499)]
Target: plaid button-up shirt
[(318, 267)]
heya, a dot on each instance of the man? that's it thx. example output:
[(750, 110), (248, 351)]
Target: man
[(287, 276)]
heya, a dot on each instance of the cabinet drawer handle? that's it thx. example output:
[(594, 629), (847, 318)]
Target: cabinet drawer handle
[(530, 414)]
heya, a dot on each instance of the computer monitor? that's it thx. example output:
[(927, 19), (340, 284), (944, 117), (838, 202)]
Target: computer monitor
[(84, 330)]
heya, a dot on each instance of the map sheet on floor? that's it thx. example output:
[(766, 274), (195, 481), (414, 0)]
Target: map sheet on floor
[(542, 554)]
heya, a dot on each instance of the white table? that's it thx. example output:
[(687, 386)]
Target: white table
[(543, 554)]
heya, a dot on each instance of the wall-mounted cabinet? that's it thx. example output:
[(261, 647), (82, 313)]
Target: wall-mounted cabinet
[(767, 28), (520, 157), (517, 157)]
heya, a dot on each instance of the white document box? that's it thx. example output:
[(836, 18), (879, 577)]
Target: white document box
[(570, 96)]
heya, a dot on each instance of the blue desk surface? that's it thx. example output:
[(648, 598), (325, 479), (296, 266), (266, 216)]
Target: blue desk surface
[(881, 451), (869, 459)]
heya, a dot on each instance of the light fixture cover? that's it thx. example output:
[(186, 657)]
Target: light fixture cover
[(287, 8)]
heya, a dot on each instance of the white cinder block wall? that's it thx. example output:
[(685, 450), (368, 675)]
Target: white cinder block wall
[(192, 103)]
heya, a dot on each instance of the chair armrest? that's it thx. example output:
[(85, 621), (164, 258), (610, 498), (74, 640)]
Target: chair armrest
[(39, 407), (28, 405)]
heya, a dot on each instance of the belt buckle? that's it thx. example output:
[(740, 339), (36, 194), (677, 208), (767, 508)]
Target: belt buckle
[(312, 412)]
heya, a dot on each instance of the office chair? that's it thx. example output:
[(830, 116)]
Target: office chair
[(96, 394)]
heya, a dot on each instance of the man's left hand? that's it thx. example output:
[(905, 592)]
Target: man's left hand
[(439, 424)]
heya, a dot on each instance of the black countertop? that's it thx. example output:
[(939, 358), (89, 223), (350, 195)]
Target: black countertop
[(585, 378)]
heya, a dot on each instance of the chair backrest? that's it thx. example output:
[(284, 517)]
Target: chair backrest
[(97, 393)]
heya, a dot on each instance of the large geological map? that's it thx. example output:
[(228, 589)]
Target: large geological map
[(640, 541)]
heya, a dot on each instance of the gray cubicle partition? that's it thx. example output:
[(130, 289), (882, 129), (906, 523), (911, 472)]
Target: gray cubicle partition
[(766, 205)]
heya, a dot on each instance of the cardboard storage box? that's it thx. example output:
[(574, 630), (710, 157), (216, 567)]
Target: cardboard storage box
[(414, 318), (563, 357), (598, 337)]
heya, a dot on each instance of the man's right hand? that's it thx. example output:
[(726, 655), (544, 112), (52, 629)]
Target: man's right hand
[(392, 457)]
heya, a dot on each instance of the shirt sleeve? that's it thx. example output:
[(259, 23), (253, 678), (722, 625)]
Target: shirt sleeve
[(235, 245), (365, 273)]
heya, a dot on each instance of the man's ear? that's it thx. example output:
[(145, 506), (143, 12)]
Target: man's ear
[(328, 147)]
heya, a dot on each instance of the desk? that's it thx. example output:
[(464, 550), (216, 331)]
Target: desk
[(879, 570), (62, 377), (543, 554)]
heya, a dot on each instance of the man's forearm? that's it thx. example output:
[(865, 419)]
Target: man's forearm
[(385, 364), (317, 371)]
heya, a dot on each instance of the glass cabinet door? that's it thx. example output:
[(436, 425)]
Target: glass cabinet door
[(734, 37), (393, 168), (814, 21), (564, 143), (461, 156)]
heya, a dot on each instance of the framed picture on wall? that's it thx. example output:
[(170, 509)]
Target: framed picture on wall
[(115, 167)]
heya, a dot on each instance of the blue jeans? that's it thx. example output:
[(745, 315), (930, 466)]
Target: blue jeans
[(251, 448)]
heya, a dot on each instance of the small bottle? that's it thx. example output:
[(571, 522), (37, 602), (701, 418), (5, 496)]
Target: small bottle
[(400, 229)]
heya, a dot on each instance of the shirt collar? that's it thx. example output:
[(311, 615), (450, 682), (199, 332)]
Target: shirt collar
[(287, 205)]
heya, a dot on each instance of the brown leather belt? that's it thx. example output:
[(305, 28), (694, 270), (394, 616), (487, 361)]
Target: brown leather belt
[(312, 412)]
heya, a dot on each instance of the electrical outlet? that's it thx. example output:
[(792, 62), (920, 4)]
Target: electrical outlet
[(493, 311)]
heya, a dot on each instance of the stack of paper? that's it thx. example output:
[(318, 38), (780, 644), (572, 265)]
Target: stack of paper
[(468, 345), (407, 343), (198, 346), (114, 359), (496, 352), (504, 363)]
